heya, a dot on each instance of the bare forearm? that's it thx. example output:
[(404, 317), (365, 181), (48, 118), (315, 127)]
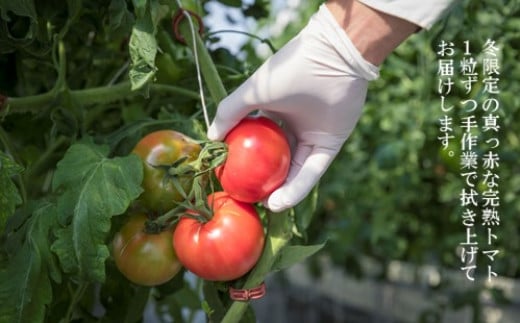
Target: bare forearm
[(374, 33)]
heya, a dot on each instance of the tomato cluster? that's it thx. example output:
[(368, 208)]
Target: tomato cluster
[(219, 242), (229, 244), (146, 256)]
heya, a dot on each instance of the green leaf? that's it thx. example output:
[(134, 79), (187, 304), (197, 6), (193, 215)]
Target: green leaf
[(291, 255), (187, 298), (304, 212), (26, 288), (122, 301), (64, 251), (23, 8), (140, 6), (258, 10), (93, 188), (212, 305), (137, 305), (143, 48), (143, 45), (120, 18), (17, 11), (73, 9), (9, 195)]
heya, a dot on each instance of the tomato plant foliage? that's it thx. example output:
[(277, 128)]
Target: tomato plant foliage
[(84, 82), (9, 196), (68, 229), (86, 177)]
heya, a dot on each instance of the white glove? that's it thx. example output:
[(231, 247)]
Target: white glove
[(316, 85)]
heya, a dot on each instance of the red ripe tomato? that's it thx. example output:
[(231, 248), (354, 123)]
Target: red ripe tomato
[(158, 150), (225, 247), (258, 160), (146, 259)]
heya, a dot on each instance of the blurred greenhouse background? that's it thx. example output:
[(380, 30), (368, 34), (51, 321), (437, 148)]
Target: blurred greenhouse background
[(390, 206)]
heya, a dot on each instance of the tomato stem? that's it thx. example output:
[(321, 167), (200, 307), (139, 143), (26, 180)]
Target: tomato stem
[(95, 95), (266, 41), (212, 155), (209, 71), (76, 297), (47, 158), (279, 226), (61, 82), (164, 221)]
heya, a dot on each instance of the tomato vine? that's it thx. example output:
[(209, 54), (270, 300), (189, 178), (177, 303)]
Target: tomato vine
[(88, 90)]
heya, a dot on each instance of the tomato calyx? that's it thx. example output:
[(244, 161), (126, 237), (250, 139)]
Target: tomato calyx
[(154, 227), (212, 154), (194, 198), (176, 172), (201, 215), (195, 207)]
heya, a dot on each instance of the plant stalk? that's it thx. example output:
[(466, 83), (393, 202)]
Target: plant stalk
[(278, 235), (208, 69), (96, 95), (279, 225), (76, 297)]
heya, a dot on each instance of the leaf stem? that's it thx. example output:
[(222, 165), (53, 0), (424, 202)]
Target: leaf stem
[(278, 235), (165, 219), (61, 82), (245, 33), (76, 297), (208, 69), (4, 139), (96, 95)]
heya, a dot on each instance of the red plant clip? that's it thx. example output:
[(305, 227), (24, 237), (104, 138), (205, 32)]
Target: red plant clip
[(247, 294), (178, 17)]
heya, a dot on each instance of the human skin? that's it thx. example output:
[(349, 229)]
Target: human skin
[(374, 33)]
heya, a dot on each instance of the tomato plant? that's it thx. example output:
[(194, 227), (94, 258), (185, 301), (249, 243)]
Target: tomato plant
[(83, 83), (145, 258), (164, 153), (223, 247), (258, 159), (168, 70)]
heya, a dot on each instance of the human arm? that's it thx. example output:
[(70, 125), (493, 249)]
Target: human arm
[(377, 27), (316, 84), (374, 33)]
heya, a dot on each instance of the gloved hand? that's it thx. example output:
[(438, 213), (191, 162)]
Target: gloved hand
[(316, 85)]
